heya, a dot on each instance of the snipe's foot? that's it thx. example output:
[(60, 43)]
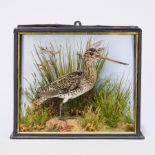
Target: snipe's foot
[(62, 119)]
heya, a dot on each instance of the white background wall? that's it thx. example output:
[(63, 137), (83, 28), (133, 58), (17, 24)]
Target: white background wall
[(103, 12)]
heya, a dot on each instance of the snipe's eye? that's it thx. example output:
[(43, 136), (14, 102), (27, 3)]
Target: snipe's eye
[(91, 53), (92, 49)]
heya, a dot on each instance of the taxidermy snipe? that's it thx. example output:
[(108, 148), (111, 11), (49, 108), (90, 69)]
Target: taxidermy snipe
[(76, 83)]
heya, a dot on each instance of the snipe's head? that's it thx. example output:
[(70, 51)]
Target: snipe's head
[(92, 54)]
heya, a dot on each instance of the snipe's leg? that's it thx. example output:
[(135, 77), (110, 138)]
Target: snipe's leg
[(60, 112)]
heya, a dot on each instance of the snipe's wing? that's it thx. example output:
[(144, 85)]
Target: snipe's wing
[(61, 85)]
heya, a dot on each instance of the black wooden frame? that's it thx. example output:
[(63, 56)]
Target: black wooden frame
[(73, 28)]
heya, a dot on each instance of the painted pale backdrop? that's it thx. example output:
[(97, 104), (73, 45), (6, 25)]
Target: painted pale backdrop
[(120, 47)]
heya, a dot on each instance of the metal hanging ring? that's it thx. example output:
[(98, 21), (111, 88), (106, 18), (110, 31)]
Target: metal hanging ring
[(77, 23)]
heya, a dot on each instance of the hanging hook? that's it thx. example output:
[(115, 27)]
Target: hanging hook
[(77, 23)]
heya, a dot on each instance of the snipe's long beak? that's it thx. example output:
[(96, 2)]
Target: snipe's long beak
[(109, 59)]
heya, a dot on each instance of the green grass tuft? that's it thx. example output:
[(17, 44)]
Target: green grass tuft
[(114, 102), (91, 119), (38, 117)]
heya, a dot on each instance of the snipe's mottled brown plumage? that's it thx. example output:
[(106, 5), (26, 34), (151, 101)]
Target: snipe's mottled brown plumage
[(76, 83)]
